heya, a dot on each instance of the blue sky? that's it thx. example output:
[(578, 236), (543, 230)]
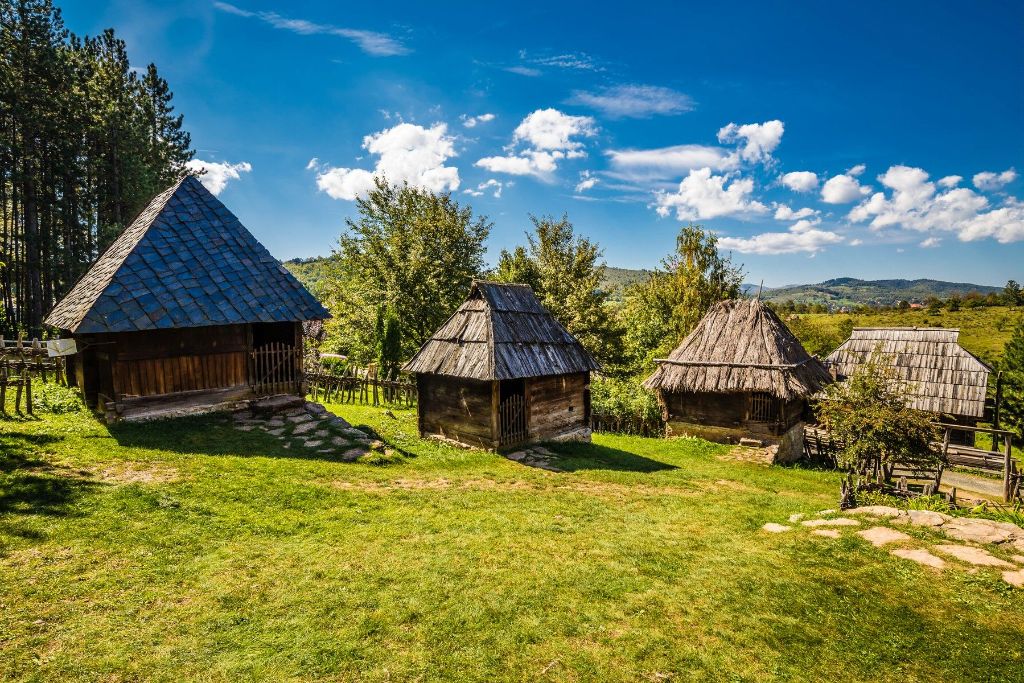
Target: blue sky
[(875, 140)]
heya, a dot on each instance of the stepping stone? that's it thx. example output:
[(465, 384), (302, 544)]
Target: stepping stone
[(305, 428), (312, 443), (773, 528), (276, 432), (301, 418), (339, 441), (827, 533), (321, 433), (276, 422), (922, 557), (796, 517), (339, 422), (245, 427), (980, 530), (876, 511), (927, 518), (540, 450), (1019, 544), (1015, 579), (518, 456), (316, 409), (353, 454), (826, 512), (354, 433), (1019, 559), (972, 555), (881, 535), (838, 521)]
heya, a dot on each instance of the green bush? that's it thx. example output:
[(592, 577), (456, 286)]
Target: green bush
[(55, 398), (623, 399)]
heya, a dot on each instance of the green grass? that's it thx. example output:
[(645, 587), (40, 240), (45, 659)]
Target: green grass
[(191, 551), (983, 331)]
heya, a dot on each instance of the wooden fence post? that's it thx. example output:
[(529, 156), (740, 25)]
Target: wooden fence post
[(1007, 465)]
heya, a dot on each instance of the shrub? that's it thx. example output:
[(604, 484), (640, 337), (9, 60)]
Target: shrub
[(54, 398)]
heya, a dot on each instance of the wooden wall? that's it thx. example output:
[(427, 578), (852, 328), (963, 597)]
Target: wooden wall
[(458, 409), (159, 362), (557, 404), (723, 417)]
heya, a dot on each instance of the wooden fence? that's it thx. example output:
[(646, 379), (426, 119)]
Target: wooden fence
[(276, 368), (355, 384), (633, 425), (22, 362)]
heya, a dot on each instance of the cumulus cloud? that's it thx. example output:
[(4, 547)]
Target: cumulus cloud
[(756, 141), (844, 188), (493, 186), (634, 101), (914, 203), (988, 181), (668, 162), (803, 237), (406, 153), (587, 182), (540, 141), (702, 195), (950, 181), (370, 42), (931, 242), (215, 175), (473, 121), (800, 181), (785, 213)]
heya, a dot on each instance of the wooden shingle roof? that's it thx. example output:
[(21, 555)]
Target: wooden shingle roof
[(942, 376), (740, 346), (501, 332), (186, 261)]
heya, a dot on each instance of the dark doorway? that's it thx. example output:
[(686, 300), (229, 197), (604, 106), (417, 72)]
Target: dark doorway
[(511, 412)]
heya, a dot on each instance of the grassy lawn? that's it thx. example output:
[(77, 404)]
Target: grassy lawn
[(191, 551)]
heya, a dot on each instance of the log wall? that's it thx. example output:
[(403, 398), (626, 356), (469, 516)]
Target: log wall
[(724, 417), (458, 409), (557, 404)]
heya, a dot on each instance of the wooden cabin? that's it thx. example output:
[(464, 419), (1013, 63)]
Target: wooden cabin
[(502, 373), (740, 375), (185, 312), (940, 375)]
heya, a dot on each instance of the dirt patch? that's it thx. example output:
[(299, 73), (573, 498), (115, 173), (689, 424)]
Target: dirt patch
[(596, 488)]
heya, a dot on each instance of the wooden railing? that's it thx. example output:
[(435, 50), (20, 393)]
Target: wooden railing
[(633, 425), (512, 420), (29, 358), (355, 384), (276, 368)]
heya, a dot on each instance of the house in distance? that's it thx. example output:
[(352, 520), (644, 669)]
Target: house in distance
[(185, 312), (502, 372), (740, 375)]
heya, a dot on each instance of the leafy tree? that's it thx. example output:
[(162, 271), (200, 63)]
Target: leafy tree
[(1012, 366), (564, 271), (870, 413), (660, 310), (390, 358), (953, 304), (1013, 294), (410, 252)]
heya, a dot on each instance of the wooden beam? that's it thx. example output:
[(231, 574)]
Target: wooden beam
[(718, 364)]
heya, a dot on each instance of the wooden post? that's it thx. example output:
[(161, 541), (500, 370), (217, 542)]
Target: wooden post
[(945, 445), (1007, 464)]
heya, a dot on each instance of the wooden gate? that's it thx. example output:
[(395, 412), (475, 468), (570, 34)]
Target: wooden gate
[(276, 369), (512, 420)]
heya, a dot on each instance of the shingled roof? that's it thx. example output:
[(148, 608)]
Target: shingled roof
[(941, 375), (740, 346), (186, 261), (501, 332)]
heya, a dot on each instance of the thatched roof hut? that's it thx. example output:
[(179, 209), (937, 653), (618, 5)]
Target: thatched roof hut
[(502, 371), (186, 310), (740, 373), (942, 377)]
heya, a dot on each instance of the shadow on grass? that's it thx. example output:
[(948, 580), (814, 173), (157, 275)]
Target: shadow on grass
[(29, 485), (590, 456)]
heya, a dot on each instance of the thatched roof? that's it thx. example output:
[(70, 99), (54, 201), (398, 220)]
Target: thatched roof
[(740, 346), (942, 376), (186, 261), (501, 332)]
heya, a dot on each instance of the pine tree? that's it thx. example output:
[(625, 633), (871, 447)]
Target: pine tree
[(1012, 366)]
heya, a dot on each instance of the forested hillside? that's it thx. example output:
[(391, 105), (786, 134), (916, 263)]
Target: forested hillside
[(85, 141)]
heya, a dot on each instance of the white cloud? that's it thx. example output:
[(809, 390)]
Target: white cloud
[(702, 195), (800, 181), (913, 203), (803, 237), (785, 213), (669, 162), (492, 185), (217, 174), (523, 70), (844, 188), (544, 137), (931, 242), (988, 181), (587, 182), (950, 181), (757, 140), (857, 170), (576, 61), (856, 242), (472, 121), (634, 101), (370, 42), (406, 153)]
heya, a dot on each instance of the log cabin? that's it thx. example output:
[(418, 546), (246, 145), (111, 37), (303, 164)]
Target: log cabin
[(185, 312), (940, 376), (502, 373), (740, 375)]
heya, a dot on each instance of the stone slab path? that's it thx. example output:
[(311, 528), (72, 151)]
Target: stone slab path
[(312, 427)]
